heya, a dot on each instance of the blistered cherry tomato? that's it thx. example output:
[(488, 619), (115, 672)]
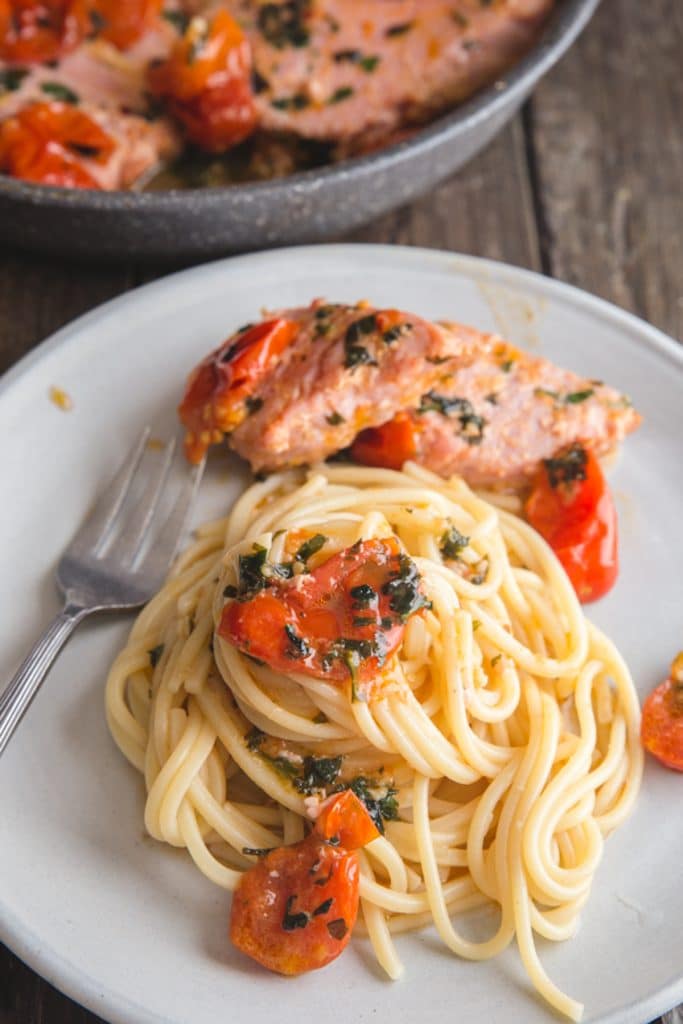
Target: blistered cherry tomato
[(388, 446), (123, 22), (662, 723), (217, 393), (51, 143), (571, 506), (341, 621), (294, 910), (206, 82), (34, 32)]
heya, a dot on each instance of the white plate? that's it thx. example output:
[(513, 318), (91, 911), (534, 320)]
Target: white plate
[(130, 928)]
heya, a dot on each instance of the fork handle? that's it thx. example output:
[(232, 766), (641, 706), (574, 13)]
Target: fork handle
[(16, 698)]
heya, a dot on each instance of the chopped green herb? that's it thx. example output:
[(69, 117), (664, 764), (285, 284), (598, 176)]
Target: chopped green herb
[(507, 365), (61, 92), (300, 646), (252, 851), (310, 547), (495, 660), (482, 572), (334, 419), (453, 542), (283, 24), (155, 655), (292, 921), (11, 79), (575, 397), (567, 467), (230, 591), (251, 575), (471, 424), (253, 404), (254, 738), (318, 773), (366, 63), (297, 102), (403, 589), (572, 398), (380, 808), (398, 30), (355, 353), (392, 334), (344, 92), (90, 152), (259, 82), (363, 595), (362, 621), (97, 21), (178, 19)]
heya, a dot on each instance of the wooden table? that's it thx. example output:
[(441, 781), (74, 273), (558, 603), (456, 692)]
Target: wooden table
[(586, 185)]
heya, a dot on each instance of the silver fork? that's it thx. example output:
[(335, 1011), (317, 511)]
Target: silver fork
[(117, 560)]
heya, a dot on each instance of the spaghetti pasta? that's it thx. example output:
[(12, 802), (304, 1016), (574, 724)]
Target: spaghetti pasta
[(502, 742)]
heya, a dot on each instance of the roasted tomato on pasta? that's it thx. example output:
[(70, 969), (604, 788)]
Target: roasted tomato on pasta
[(340, 622), (295, 910)]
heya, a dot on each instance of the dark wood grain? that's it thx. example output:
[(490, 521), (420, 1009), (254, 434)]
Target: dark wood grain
[(585, 185), (38, 295), (606, 133)]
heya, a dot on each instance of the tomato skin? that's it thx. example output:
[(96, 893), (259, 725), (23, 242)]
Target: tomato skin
[(661, 727), (123, 22), (344, 815), (206, 83), (216, 394), (290, 881), (35, 32), (294, 911), (579, 520), (318, 609), (44, 143), (387, 446)]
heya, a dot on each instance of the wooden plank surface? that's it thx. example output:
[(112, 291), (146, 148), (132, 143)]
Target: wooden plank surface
[(585, 185)]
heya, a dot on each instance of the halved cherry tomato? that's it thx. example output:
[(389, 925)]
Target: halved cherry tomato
[(662, 725), (571, 506), (49, 142), (34, 32), (341, 621), (345, 816), (215, 399), (206, 82), (295, 909), (123, 22), (388, 446)]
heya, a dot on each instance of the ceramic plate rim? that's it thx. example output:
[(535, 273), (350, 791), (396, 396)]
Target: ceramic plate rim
[(18, 935)]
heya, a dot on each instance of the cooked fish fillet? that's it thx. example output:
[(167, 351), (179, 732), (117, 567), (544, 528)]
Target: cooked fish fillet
[(345, 368), (495, 413), (339, 69), (478, 406)]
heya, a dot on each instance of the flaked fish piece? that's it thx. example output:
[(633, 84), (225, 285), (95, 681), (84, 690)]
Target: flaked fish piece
[(307, 382), (303, 383), (497, 411), (346, 69)]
